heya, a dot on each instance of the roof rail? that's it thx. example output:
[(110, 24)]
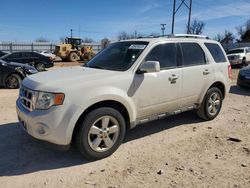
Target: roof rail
[(188, 36)]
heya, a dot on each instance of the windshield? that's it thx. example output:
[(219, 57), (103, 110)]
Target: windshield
[(3, 57), (118, 56), (237, 51)]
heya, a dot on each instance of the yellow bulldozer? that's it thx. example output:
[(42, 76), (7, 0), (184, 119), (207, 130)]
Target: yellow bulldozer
[(73, 50)]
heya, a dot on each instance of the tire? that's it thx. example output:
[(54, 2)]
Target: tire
[(244, 63), (211, 105), (40, 67), (13, 81), (73, 57), (93, 140)]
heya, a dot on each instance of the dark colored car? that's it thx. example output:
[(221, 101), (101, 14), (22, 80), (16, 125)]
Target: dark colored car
[(40, 62), (244, 77), (2, 53), (12, 74)]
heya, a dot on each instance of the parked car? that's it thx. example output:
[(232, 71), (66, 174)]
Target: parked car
[(244, 77), (49, 54), (34, 59), (2, 53), (128, 83), (239, 56), (11, 74)]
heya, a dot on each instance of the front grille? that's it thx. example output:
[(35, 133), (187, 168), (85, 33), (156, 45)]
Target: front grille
[(231, 57), (27, 97)]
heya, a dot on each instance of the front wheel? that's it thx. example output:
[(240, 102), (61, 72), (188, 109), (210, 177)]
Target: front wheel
[(13, 81), (211, 104), (101, 133), (40, 67), (73, 57)]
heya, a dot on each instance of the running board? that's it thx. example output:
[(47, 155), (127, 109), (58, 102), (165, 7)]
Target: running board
[(164, 115)]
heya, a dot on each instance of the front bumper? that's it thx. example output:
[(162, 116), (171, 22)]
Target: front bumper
[(48, 125), (49, 65), (236, 62)]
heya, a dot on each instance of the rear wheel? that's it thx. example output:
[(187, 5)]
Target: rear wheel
[(211, 104), (13, 81), (101, 133), (73, 56)]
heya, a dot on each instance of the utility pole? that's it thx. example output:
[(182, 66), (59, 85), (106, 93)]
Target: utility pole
[(189, 16), (135, 34), (71, 33), (163, 28), (175, 10), (79, 31)]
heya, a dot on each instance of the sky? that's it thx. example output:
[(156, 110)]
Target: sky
[(27, 20)]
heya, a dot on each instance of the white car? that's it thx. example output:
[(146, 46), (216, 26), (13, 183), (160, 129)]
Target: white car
[(239, 56), (129, 83), (49, 54)]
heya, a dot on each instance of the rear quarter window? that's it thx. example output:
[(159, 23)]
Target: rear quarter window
[(216, 52)]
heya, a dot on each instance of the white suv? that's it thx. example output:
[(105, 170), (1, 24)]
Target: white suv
[(129, 83)]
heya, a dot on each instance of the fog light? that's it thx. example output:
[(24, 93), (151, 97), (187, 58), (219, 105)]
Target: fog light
[(42, 130)]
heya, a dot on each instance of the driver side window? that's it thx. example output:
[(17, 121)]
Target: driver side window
[(165, 54)]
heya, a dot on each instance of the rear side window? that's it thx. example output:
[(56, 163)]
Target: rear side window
[(165, 54), (216, 52), (192, 54), (15, 55)]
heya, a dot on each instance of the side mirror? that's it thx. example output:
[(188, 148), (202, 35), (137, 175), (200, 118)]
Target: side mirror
[(149, 67)]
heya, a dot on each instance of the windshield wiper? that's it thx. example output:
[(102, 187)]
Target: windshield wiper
[(95, 67)]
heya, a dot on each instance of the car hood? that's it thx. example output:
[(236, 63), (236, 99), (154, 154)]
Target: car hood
[(240, 54), (246, 69), (63, 79), (14, 64)]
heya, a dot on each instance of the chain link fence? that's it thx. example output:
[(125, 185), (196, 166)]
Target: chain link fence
[(10, 47)]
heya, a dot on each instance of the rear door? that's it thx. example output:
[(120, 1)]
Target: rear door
[(197, 73)]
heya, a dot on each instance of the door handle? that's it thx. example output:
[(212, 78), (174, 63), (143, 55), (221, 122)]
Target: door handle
[(173, 78), (206, 72)]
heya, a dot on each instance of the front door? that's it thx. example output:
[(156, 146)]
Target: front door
[(159, 92)]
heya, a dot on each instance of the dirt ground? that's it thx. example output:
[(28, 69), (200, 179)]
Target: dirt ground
[(179, 151)]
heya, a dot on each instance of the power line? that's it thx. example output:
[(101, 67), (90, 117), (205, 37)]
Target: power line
[(175, 10)]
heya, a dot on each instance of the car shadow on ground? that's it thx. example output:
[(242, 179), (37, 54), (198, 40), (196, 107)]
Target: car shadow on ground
[(21, 154), (239, 91)]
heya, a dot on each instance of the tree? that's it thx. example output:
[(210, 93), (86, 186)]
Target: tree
[(196, 27), (123, 35), (225, 38), (244, 32), (62, 39), (41, 39), (88, 40), (246, 36), (105, 42)]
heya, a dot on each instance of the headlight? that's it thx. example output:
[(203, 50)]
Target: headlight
[(45, 100), (32, 71)]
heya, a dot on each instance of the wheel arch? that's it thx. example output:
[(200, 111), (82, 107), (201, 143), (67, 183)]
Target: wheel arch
[(106, 103), (220, 86)]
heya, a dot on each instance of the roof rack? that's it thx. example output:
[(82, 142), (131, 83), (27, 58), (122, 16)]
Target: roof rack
[(188, 36)]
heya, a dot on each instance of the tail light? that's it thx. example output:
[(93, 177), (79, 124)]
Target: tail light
[(229, 71)]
